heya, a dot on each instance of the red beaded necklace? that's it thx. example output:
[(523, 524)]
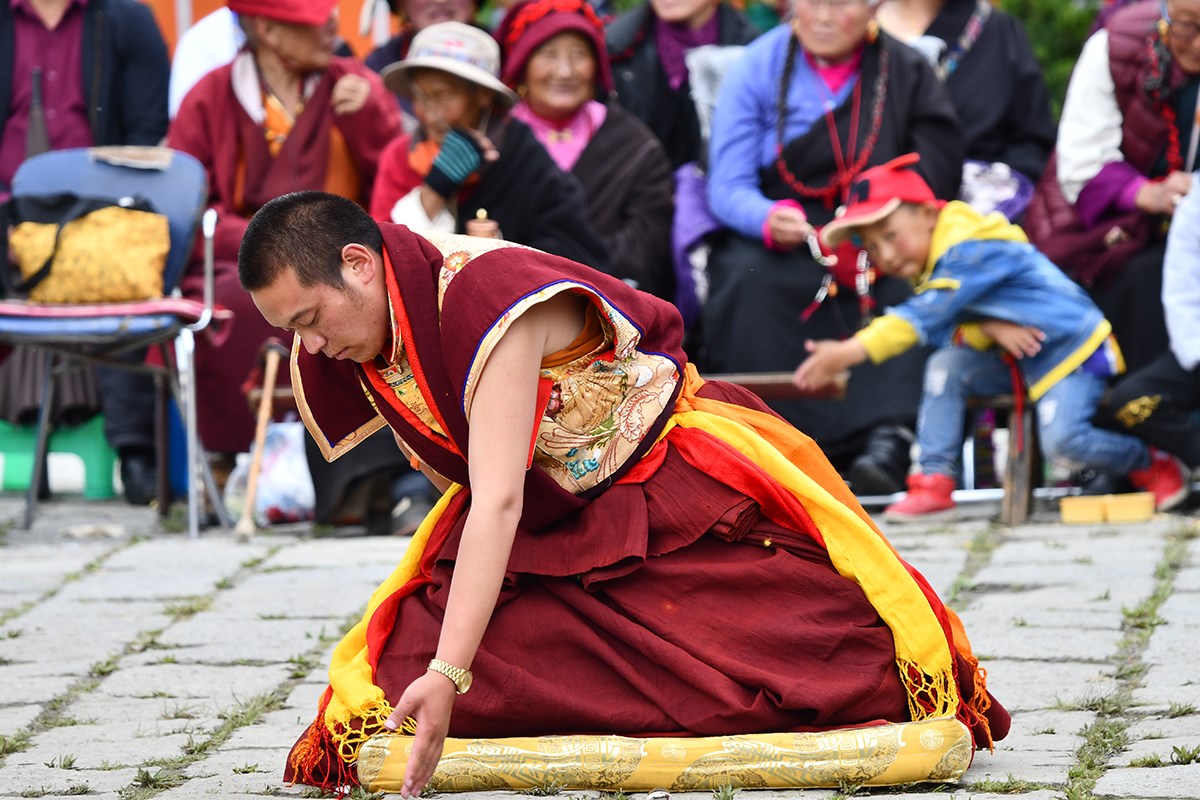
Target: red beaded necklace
[(1159, 90), (849, 164)]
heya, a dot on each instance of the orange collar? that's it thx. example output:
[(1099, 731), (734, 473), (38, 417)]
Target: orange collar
[(402, 333)]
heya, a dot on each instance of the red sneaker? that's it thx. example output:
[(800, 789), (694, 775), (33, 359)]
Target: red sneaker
[(1166, 477), (928, 498)]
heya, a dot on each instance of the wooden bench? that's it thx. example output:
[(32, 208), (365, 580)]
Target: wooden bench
[(1023, 457), (771, 385)]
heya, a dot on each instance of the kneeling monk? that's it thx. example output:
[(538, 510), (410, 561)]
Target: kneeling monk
[(622, 549)]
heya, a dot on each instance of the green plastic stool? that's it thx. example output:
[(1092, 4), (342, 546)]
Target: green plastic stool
[(86, 441)]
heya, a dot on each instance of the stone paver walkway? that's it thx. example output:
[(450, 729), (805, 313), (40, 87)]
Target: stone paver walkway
[(136, 664)]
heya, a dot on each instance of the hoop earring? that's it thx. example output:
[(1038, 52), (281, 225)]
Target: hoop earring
[(1164, 30), (796, 27), (872, 31), (522, 91)]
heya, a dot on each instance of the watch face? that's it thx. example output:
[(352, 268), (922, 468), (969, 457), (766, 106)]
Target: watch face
[(465, 683)]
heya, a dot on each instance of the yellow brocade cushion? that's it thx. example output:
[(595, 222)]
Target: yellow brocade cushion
[(933, 750)]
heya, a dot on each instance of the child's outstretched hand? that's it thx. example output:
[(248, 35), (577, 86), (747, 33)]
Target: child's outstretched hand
[(826, 365), (1017, 340)]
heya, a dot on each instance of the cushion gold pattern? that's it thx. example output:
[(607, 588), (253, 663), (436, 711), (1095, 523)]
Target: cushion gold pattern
[(933, 750)]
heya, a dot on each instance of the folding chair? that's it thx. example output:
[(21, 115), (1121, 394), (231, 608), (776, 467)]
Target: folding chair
[(74, 335)]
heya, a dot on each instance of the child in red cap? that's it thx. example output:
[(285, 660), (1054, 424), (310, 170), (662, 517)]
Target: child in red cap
[(999, 310)]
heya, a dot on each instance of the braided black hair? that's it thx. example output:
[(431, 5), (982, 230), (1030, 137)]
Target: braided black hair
[(785, 83)]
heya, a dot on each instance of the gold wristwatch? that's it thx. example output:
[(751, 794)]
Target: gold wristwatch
[(461, 677)]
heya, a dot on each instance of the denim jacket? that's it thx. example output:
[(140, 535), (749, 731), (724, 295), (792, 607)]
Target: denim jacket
[(983, 268)]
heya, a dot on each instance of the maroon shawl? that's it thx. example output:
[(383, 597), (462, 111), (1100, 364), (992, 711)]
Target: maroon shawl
[(444, 348)]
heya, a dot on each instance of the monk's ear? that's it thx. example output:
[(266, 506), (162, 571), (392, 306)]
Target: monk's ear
[(359, 262)]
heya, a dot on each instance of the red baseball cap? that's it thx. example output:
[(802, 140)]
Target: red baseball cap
[(295, 12), (877, 192)]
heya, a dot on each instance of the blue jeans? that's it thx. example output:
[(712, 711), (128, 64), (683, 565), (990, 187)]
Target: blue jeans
[(1064, 414)]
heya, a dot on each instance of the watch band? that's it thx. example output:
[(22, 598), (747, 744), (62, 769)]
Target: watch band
[(460, 676)]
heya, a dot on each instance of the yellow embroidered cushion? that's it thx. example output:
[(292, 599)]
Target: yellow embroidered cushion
[(932, 750)]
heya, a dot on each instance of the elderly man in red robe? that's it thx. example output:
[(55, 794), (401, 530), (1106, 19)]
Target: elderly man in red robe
[(285, 115)]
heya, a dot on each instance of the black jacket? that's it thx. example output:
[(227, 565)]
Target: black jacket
[(125, 72), (630, 195), (999, 91), (535, 203), (641, 85)]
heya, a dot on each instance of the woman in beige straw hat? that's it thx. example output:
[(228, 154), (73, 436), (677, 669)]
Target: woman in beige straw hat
[(469, 159)]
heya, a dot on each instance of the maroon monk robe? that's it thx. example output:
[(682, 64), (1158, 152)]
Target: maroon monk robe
[(656, 604)]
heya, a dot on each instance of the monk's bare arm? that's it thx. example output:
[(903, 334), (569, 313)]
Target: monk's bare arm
[(502, 419)]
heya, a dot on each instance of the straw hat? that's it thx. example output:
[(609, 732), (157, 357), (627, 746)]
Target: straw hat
[(454, 47)]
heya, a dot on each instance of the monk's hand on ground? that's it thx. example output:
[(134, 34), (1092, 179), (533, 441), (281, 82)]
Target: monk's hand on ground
[(788, 227), (1162, 196), (827, 360), (350, 94), (1016, 340), (428, 700)]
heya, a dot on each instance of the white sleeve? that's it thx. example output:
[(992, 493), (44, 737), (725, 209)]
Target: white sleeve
[(210, 43), (1089, 133), (1181, 281), (410, 211)]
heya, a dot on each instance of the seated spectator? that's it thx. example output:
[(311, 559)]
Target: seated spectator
[(979, 282), (1158, 403), (101, 70), (647, 46), (1126, 148), (556, 61), (470, 158), (210, 43), (993, 79), (284, 115), (805, 110)]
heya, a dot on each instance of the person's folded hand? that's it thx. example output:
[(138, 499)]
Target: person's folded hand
[(349, 94)]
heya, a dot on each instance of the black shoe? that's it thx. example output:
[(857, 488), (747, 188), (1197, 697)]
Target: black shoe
[(409, 513), (1094, 482), (868, 478), (139, 477), (883, 465)]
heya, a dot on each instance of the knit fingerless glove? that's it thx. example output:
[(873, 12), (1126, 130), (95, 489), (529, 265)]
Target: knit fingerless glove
[(460, 155)]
